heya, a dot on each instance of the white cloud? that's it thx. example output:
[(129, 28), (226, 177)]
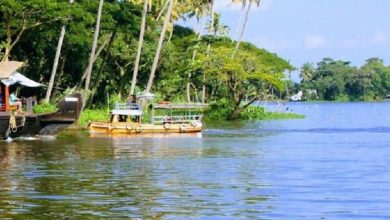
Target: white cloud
[(274, 45), (227, 5), (350, 43), (314, 41), (224, 5), (379, 38)]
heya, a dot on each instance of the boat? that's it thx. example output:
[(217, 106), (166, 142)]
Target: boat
[(127, 118), (15, 123), (297, 97)]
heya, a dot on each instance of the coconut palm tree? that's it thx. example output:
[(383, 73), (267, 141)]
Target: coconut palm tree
[(92, 55), (106, 40), (159, 46), (246, 4), (56, 59), (211, 30), (139, 50), (198, 10), (306, 72)]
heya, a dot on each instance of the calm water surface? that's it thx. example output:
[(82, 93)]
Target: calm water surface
[(334, 164)]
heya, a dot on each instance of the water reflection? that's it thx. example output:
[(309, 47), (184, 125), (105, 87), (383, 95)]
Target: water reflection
[(141, 177), (294, 169)]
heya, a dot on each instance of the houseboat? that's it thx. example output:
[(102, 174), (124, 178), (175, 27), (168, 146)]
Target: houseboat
[(18, 122)]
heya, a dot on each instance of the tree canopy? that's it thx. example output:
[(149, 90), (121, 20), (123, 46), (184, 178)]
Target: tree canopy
[(338, 80), (30, 29)]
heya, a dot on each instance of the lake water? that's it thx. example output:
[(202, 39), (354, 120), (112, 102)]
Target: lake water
[(334, 164)]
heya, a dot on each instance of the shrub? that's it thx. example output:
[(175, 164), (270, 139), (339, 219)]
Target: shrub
[(45, 108), (93, 115)]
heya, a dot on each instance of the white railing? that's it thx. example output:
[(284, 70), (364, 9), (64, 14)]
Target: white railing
[(127, 106), (177, 119)]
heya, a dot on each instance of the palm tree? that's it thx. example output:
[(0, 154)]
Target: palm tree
[(159, 46), (236, 34), (55, 64), (198, 10), (140, 43), (199, 34), (219, 28), (92, 55), (103, 45), (212, 30), (162, 10), (306, 72), (245, 4)]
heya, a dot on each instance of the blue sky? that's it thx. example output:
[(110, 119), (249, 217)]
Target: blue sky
[(309, 30)]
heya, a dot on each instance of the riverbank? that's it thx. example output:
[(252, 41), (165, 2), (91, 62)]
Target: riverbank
[(213, 114), (251, 113)]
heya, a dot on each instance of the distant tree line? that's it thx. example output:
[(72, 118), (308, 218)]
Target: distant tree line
[(336, 80)]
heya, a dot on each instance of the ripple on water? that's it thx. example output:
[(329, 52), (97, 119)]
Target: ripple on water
[(326, 166)]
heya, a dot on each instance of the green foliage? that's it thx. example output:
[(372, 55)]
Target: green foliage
[(93, 115), (249, 73), (280, 115), (222, 109), (342, 98), (219, 110), (339, 81), (45, 108), (252, 72)]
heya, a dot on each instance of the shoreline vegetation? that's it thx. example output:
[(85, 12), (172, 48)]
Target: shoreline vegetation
[(120, 48), (109, 50), (337, 80), (210, 115), (251, 113)]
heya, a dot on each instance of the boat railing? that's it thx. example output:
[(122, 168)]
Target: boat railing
[(127, 106), (177, 119)]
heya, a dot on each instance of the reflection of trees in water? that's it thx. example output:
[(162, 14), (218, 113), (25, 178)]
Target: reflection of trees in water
[(157, 146), (73, 177), (12, 159), (87, 178), (192, 175)]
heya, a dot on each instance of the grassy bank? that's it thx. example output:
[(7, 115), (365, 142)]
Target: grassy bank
[(216, 113), (250, 113), (93, 115), (86, 116)]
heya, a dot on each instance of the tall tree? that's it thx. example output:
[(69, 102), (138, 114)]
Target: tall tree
[(56, 59), (106, 40), (306, 72), (245, 75), (92, 55), (139, 50), (19, 16), (198, 10), (245, 4), (211, 2), (159, 46), (101, 68)]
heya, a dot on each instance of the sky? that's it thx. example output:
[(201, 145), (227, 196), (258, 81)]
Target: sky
[(303, 31)]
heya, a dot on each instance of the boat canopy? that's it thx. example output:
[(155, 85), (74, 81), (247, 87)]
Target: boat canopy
[(22, 80), (7, 68), (180, 106), (132, 109), (146, 96), (9, 75), (126, 112)]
